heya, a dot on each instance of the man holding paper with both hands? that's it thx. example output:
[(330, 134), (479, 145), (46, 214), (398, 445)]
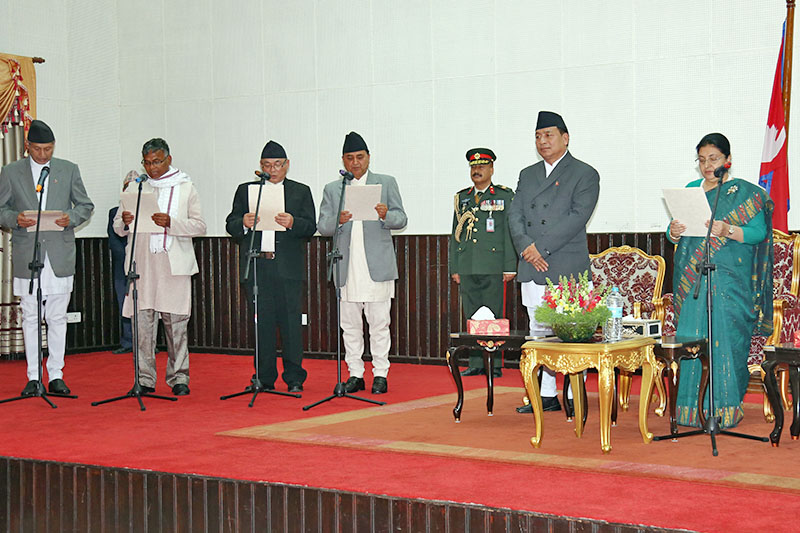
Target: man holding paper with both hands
[(165, 262), (368, 267), (280, 262), (62, 191)]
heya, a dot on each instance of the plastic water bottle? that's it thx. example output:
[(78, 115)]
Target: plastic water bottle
[(613, 329)]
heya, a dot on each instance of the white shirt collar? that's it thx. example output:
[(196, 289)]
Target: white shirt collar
[(548, 168)]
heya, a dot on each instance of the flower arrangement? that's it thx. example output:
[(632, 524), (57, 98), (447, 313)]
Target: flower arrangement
[(572, 309)]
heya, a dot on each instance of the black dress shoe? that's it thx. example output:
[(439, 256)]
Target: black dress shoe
[(295, 387), (180, 389), (58, 386), (379, 385), (249, 388), (548, 404), (497, 372), (121, 349), (473, 372), (30, 388), (354, 384), (145, 388)]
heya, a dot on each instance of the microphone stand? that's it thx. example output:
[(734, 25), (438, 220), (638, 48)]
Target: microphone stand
[(36, 266), (131, 277), (334, 257), (256, 387), (711, 424)]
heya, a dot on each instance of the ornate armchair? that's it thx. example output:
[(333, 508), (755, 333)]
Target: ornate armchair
[(639, 277), (786, 307)]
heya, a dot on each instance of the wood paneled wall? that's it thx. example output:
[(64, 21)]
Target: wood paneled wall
[(425, 310), (62, 497)]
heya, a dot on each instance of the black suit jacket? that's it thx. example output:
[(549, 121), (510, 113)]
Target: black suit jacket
[(290, 245)]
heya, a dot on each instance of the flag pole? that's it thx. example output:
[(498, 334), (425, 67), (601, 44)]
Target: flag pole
[(787, 62)]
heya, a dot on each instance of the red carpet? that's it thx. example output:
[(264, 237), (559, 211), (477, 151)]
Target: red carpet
[(182, 437)]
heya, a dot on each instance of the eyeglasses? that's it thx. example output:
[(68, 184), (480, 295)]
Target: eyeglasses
[(274, 166), (153, 163), (713, 160)]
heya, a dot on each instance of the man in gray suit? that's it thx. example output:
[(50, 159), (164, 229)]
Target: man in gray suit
[(554, 200), (21, 183), (368, 267)]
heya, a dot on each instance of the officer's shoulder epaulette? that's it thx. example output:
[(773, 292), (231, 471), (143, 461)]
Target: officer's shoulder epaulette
[(464, 190), (504, 188)]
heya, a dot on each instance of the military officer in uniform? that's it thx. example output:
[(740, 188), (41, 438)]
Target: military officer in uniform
[(482, 255)]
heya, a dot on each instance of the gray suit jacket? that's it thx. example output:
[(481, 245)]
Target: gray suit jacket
[(381, 258), (552, 212), (66, 193)]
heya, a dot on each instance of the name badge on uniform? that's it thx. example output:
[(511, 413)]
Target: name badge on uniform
[(489, 225)]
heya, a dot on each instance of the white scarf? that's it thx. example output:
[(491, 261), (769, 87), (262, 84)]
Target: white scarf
[(168, 202)]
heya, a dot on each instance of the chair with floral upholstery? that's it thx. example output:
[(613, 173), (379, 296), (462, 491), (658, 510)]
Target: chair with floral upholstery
[(786, 308), (639, 277)]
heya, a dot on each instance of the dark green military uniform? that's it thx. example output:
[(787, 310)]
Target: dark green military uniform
[(481, 251)]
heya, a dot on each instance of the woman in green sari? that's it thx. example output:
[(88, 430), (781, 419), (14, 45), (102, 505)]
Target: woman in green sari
[(741, 249)]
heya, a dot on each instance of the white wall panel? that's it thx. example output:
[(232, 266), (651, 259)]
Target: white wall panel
[(529, 35), (463, 37), (341, 111), (188, 49), (404, 113), (237, 53), (401, 41), (289, 45), (671, 29), (596, 32), (344, 43)]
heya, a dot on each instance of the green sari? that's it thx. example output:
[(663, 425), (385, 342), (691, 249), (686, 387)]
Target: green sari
[(742, 296)]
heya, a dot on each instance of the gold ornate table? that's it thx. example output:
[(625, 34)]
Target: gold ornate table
[(573, 359)]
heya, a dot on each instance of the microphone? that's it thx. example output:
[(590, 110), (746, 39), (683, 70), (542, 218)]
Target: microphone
[(141, 178), (263, 175), (42, 176), (720, 172), (347, 175)]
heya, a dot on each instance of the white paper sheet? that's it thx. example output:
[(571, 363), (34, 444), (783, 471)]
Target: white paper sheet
[(690, 207), (47, 222), (361, 201), (147, 208), (272, 203)]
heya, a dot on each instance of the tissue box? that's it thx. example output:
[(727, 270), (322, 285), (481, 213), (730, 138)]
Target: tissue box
[(498, 326), (640, 326)]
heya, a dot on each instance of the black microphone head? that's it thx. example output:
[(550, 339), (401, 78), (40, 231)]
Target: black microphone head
[(142, 178), (45, 170), (263, 175), (720, 172), (346, 174)]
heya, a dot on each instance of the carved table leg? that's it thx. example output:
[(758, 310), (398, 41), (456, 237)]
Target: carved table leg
[(794, 380), (774, 400), (452, 362), (624, 392), (527, 367), (662, 395), (672, 384), (648, 371), (605, 388), (576, 381), (488, 366), (702, 390)]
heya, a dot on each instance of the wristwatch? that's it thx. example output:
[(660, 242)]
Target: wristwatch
[(730, 230)]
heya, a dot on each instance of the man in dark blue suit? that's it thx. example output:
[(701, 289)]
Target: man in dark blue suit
[(280, 268), (117, 246)]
